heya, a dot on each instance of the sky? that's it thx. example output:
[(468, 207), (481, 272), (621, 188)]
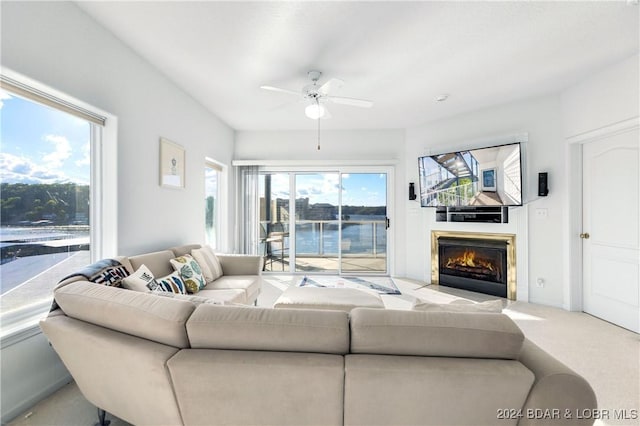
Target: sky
[(39, 144), (359, 189)]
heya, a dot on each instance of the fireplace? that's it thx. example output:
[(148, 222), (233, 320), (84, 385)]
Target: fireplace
[(483, 263)]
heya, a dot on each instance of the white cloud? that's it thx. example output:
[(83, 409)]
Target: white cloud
[(3, 97), (86, 155), (62, 151), (14, 169)]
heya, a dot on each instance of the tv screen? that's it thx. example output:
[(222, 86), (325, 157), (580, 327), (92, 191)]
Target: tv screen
[(478, 177)]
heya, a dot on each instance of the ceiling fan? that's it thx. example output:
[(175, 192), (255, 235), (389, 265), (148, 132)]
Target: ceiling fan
[(316, 96)]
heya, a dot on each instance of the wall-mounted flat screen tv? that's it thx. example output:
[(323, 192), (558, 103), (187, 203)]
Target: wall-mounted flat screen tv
[(489, 176)]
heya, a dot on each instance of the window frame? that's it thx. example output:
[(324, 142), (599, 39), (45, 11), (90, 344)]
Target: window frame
[(220, 213), (23, 323)]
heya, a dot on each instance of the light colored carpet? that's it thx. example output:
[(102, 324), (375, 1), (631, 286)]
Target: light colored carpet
[(606, 355)]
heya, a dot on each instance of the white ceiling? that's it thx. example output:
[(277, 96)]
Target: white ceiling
[(400, 55)]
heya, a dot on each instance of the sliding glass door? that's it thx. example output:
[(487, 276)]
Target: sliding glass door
[(274, 193), (317, 222), (364, 224), (324, 222)]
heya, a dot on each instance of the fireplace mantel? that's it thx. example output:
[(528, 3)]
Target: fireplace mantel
[(509, 239)]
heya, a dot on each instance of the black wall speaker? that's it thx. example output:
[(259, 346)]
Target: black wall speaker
[(412, 191), (543, 184)]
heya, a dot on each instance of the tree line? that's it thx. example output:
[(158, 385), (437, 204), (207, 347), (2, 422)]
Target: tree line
[(57, 203), (365, 210)]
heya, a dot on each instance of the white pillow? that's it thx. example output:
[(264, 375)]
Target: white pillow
[(141, 280), (459, 306), (209, 263)]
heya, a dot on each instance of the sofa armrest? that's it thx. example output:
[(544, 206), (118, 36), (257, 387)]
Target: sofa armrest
[(240, 264), (556, 386)]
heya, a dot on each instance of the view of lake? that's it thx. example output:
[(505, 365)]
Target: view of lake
[(357, 236)]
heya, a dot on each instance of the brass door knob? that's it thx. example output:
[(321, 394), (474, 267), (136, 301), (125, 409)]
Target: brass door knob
[(585, 236)]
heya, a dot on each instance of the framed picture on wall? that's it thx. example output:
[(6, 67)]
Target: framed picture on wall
[(171, 164), (489, 180)]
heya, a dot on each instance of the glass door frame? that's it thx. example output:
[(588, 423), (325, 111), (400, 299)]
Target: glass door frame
[(340, 170)]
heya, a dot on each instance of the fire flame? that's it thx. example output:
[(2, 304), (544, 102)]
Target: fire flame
[(468, 258)]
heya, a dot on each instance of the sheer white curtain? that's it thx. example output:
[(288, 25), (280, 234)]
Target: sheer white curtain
[(248, 235)]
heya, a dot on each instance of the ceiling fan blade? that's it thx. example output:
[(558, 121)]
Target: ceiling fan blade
[(277, 89), (362, 103), (327, 114), (331, 86)]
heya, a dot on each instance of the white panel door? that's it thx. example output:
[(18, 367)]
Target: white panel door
[(611, 234)]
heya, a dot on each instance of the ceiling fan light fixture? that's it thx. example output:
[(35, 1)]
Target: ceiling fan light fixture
[(314, 111)]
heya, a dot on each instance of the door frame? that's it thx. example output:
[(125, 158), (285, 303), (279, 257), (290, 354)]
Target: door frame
[(389, 170), (573, 257)]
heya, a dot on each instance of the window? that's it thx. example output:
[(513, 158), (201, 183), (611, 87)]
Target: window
[(51, 219), (212, 185), (321, 221)]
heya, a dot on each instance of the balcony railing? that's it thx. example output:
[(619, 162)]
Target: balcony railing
[(321, 238)]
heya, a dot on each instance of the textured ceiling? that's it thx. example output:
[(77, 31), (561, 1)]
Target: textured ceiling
[(401, 55)]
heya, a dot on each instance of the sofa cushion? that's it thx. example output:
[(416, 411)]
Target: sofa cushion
[(240, 264), (190, 272), (157, 262), (140, 314), (210, 264), (196, 300), (450, 334), (287, 330), (434, 391), (228, 296), (222, 387), (460, 305), (141, 280), (250, 284), (184, 249), (172, 283)]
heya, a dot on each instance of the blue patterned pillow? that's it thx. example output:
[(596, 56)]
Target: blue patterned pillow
[(190, 272), (108, 272), (172, 283)]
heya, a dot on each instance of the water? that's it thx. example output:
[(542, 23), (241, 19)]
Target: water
[(357, 236), (10, 235)]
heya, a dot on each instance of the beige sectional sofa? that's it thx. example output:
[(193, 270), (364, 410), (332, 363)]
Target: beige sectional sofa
[(240, 283), (152, 360)]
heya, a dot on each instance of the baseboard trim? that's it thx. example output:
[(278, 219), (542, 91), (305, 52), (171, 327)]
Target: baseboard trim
[(30, 402)]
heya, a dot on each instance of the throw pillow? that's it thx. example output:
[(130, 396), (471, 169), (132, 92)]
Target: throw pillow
[(459, 306), (209, 262), (190, 272), (109, 272), (140, 280), (172, 283)]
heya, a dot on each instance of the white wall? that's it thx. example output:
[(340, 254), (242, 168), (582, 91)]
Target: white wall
[(602, 99), (345, 145), (602, 104), (540, 119), (59, 45), (334, 145)]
